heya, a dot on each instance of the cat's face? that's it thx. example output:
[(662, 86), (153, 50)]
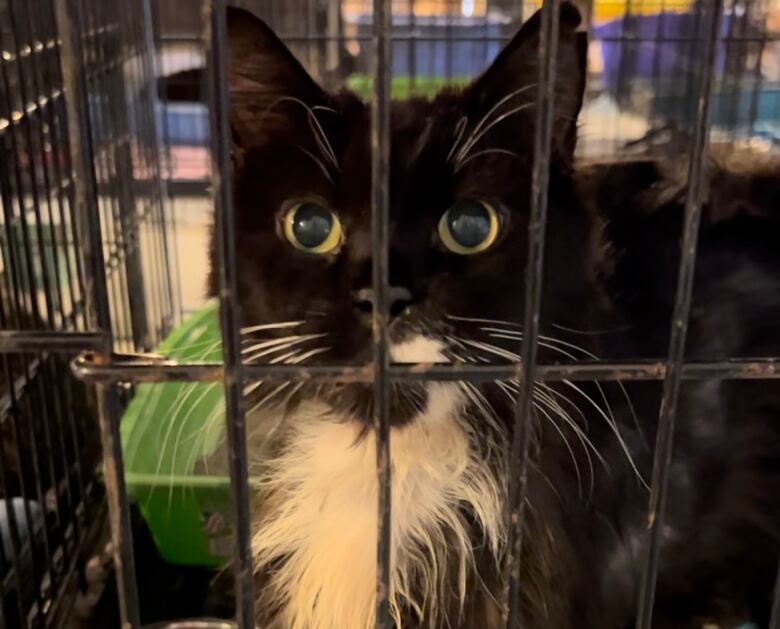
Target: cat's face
[(460, 190)]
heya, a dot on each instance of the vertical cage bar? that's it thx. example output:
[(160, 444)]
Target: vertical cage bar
[(774, 621), (380, 209), (84, 201), (518, 462), (215, 39), (682, 305), (774, 618)]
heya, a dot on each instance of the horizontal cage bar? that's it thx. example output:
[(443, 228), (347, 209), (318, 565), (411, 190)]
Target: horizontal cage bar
[(138, 368)]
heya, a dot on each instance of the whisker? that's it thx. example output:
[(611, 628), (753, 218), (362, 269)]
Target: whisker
[(492, 349), (322, 140), (460, 127), (611, 422), (551, 343), (481, 320), (315, 126), (592, 332), (292, 358), (549, 339), (325, 108), (475, 138), (478, 399), (614, 428), (309, 354), (268, 396), (317, 161), (492, 110), (582, 437), (547, 395), (485, 152), (541, 409), (276, 345), (271, 326)]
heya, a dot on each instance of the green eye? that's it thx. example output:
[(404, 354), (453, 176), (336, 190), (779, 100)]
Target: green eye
[(469, 227), (313, 228)]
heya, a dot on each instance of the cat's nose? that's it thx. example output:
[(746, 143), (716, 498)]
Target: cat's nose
[(398, 299)]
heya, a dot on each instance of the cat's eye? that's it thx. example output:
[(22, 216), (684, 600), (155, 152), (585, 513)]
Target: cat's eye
[(312, 227), (469, 227)]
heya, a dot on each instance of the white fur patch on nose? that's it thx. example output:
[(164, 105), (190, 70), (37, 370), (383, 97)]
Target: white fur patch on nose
[(418, 349)]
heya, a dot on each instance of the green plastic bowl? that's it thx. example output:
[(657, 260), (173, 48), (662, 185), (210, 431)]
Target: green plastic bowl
[(175, 469)]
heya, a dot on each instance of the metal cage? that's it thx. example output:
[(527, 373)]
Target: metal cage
[(92, 167)]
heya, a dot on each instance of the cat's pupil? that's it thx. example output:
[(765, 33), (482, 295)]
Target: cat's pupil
[(312, 224), (469, 223)]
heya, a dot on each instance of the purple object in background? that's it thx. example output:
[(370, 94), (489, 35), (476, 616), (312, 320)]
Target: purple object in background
[(661, 46)]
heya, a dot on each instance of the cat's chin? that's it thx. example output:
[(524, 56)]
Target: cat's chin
[(407, 400), (355, 402)]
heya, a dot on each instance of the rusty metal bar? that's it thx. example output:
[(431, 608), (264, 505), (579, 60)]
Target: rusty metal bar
[(144, 368), (519, 452), (215, 39), (682, 306), (12, 341), (84, 202), (380, 210)]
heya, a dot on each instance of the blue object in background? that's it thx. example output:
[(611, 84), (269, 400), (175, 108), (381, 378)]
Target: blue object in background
[(22, 525), (22, 592), (664, 45)]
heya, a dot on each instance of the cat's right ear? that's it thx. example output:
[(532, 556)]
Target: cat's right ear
[(267, 84), (513, 76)]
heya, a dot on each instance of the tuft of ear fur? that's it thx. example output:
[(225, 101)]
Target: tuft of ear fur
[(265, 79), (512, 78)]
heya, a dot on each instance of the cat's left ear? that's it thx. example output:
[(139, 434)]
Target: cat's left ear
[(268, 85), (516, 71)]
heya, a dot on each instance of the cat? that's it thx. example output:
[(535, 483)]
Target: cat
[(459, 198)]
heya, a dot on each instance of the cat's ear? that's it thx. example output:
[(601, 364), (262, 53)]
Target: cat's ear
[(268, 85), (513, 76)]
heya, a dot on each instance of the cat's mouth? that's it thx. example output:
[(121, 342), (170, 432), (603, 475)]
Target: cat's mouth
[(407, 400)]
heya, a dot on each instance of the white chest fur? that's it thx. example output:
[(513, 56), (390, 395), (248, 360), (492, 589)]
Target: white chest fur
[(317, 533)]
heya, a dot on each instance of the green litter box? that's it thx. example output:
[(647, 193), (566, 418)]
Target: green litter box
[(175, 466)]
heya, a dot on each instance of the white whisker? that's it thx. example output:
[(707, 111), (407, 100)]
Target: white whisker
[(317, 161), (490, 112), (271, 326), (276, 345), (541, 409), (485, 152), (460, 127), (591, 332), (316, 128), (549, 341), (267, 397), (309, 354), (477, 137), (480, 320), (613, 427)]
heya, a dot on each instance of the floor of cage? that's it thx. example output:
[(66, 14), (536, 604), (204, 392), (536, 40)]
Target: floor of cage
[(166, 592)]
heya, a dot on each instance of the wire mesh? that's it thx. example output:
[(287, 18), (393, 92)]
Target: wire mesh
[(51, 499), (99, 185)]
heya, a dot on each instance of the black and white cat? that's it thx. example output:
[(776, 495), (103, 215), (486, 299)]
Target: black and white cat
[(460, 190)]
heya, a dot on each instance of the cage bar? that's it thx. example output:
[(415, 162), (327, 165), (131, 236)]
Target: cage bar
[(380, 210), (215, 38), (679, 325), (84, 203), (107, 206), (139, 368), (521, 438)]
